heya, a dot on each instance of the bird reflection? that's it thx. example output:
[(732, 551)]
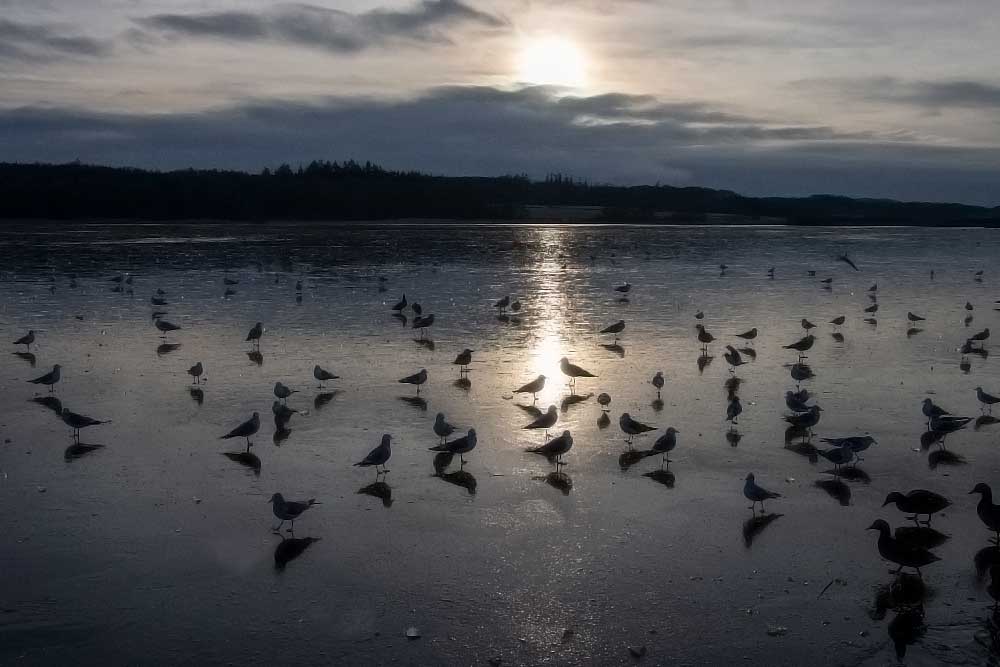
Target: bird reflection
[(558, 480), (919, 537), (662, 476), (401, 317), (905, 596), (425, 343), (166, 348), (415, 401), (27, 356), (733, 437), (379, 490), (51, 402), (323, 398), (461, 478), (247, 459), (603, 421), (657, 404), (291, 548), (928, 438), (985, 420), (256, 357), (732, 386), (805, 449), (281, 432), (79, 449), (944, 457), (463, 383), (755, 525), (572, 400), (906, 628), (986, 559), (197, 394), (837, 489), (796, 432), (837, 337), (703, 361), (852, 474), (749, 352), (912, 331), (616, 349), (631, 457), (533, 411)]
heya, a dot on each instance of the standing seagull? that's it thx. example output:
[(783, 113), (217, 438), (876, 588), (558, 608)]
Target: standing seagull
[(460, 446), (632, 428), (838, 321), (734, 410), (704, 337), (532, 387), (932, 411), (733, 358), (807, 325), (756, 494), (164, 326), (50, 378), (422, 322), (573, 372), (657, 382), (283, 392), (463, 360), (546, 421), (914, 318), (289, 510), (802, 345), (378, 456), (323, 375), (245, 430), (27, 339), (748, 335), (76, 422), (987, 400), (666, 444), (442, 428), (401, 305), (554, 449), (196, 372), (624, 289), (417, 378), (254, 335), (615, 329), (502, 304)]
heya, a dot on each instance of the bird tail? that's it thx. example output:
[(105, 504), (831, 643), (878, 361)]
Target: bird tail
[(774, 494), (313, 501), (227, 437), (438, 448), (534, 450)]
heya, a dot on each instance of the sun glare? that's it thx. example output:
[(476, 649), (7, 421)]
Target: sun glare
[(553, 61)]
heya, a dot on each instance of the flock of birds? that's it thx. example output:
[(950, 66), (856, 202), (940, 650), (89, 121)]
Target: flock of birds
[(803, 415)]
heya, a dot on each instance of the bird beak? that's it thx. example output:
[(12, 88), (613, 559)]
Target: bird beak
[(885, 503), (971, 492)]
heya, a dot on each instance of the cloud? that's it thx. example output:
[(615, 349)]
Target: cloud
[(327, 29), (926, 94), (43, 42), (615, 138)]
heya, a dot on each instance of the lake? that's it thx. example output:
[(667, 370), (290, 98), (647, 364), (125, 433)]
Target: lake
[(157, 547)]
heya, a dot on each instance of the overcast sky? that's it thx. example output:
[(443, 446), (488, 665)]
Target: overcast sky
[(894, 98)]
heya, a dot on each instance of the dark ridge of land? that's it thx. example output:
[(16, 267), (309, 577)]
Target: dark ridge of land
[(354, 191)]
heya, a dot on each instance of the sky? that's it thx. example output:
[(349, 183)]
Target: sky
[(895, 98)]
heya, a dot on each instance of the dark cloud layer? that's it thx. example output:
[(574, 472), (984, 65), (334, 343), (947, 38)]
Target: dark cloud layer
[(41, 42), (328, 29), (486, 131), (932, 95)]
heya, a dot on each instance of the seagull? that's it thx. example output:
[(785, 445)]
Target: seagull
[(195, 372), (283, 392), (463, 360), (417, 308), (918, 502), (76, 422), (700, 315), (980, 337), (807, 325), (872, 308), (157, 301), (873, 288), (757, 494), (837, 321), (502, 304), (800, 372), (532, 387), (988, 513), (460, 446), (26, 339), (734, 410), (442, 428), (516, 306), (914, 318), (900, 553), (748, 335), (632, 428), (164, 326), (932, 411), (378, 456), (847, 260), (230, 281), (50, 378), (399, 307), (546, 421), (417, 378), (255, 333), (665, 444), (827, 281), (733, 358), (657, 382), (245, 430), (838, 456), (323, 375), (802, 345), (856, 443), (806, 419), (794, 403), (289, 510), (555, 448), (624, 289), (615, 329), (422, 322), (573, 372), (949, 424), (969, 306), (703, 336), (987, 400), (604, 400)]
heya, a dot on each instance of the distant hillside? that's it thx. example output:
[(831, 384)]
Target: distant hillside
[(353, 191)]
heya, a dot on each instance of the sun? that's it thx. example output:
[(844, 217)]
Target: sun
[(552, 61)]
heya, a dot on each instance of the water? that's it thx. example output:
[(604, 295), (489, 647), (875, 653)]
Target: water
[(156, 547)]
